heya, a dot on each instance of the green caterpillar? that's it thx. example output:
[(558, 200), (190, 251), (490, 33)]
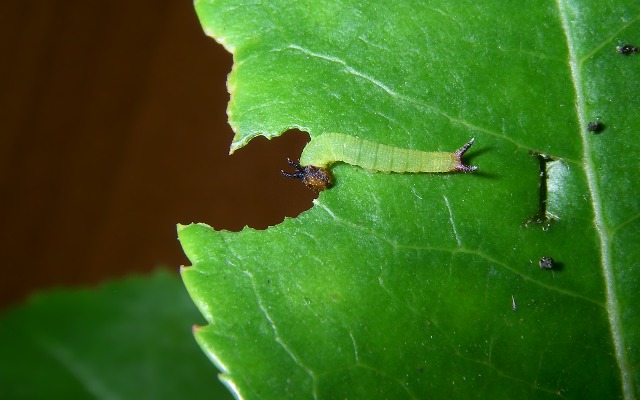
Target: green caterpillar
[(329, 148)]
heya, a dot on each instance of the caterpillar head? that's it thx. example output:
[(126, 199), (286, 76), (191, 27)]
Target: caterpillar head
[(315, 178)]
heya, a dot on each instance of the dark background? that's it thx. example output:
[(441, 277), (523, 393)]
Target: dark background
[(113, 128)]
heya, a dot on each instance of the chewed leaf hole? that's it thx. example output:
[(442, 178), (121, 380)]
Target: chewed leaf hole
[(247, 189), (542, 216)]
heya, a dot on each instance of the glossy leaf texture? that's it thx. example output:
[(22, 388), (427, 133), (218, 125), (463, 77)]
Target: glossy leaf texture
[(125, 340), (429, 285)]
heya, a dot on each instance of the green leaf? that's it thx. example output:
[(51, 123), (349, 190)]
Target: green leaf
[(126, 340), (428, 286)]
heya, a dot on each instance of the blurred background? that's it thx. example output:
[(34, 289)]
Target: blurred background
[(113, 128)]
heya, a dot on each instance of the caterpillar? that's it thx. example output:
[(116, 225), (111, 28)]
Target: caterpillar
[(329, 148)]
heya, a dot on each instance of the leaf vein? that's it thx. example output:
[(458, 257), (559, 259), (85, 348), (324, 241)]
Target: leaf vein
[(506, 266), (606, 262), (461, 250), (409, 99), (278, 338), (607, 40), (453, 224), (82, 372)]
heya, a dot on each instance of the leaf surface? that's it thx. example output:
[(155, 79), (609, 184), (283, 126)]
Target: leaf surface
[(127, 340), (429, 285)]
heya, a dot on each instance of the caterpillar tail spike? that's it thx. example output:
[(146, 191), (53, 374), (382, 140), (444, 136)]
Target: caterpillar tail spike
[(460, 166)]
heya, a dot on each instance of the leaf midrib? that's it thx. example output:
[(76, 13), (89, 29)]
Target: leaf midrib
[(612, 307)]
